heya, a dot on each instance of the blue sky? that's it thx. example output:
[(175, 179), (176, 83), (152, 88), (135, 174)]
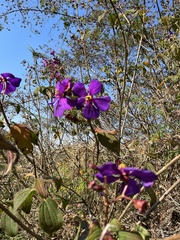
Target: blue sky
[(15, 44)]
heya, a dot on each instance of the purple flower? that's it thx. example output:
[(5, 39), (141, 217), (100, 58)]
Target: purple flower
[(45, 62), (52, 52), (56, 61), (128, 175), (8, 82), (93, 105), (61, 102)]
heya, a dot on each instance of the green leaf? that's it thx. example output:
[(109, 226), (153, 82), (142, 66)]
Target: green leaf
[(143, 232), (100, 17), (83, 230), (115, 225), (150, 167), (152, 195), (109, 141), (8, 225), (23, 199), (65, 202), (36, 91), (42, 3), (123, 235), (94, 232), (112, 19), (58, 183), (50, 217), (18, 108)]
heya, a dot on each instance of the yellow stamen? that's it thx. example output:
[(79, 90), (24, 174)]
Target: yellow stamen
[(88, 97), (122, 165)]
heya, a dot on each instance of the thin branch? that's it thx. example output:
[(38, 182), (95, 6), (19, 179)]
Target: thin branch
[(97, 142), (125, 72), (35, 10), (135, 196), (131, 87), (158, 202), (168, 165)]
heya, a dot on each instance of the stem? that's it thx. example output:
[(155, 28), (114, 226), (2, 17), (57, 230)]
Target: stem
[(4, 115), (106, 202), (125, 73), (97, 142)]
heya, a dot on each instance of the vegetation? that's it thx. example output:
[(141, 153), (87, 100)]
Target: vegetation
[(110, 95)]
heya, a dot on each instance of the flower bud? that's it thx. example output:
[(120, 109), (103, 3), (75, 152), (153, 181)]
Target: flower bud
[(40, 187), (91, 165), (94, 186), (141, 205)]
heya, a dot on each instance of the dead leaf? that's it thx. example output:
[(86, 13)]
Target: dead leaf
[(24, 137), (99, 130), (11, 159), (5, 145)]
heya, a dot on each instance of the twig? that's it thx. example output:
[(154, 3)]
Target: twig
[(158, 173), (169, 164), (158, 202), (97, 141), (104, 231)]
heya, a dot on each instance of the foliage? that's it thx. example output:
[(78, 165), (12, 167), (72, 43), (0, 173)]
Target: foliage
[(67, 129)]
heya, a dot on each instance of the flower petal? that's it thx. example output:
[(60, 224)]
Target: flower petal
[(7, 75), (62, 86), (45, 62), (80, 102), (62, 105), (147, 177), (109, 178), (15, 81), (9, 88), (91, 112), (95, 87), (102, 103), (79, 90), (133, 187), (108, 168)]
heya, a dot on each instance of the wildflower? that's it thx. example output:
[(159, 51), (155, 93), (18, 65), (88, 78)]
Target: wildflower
[(93, 105), (61, 102), (45, 62), (52, 52), (56, 61), (128, 175), (58, 76), (8, 82)]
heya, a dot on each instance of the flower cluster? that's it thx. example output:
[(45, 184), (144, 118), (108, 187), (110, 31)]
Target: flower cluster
[(68, 96), (8, 83), (53, 67)]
